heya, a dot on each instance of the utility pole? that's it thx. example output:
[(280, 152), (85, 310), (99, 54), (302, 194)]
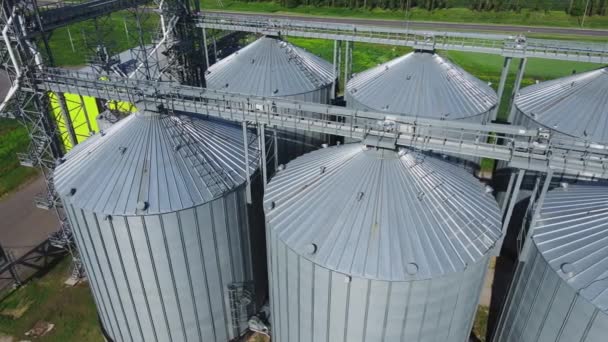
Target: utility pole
[(585, 13)]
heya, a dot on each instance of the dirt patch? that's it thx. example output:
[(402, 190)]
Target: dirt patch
[(40, 329)]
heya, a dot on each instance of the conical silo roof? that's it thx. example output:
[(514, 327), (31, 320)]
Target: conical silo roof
[(421, 84), (158, 162), (572, 235), (382, 215), (576, 105), (270, 67)]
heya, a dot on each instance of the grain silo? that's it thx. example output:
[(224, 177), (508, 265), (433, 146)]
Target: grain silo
[(422, 84), (560, 290), (573, 106), (376, 245), (158, 209), (272, 67)]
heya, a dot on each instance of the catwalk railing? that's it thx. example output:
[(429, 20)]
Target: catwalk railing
[(524, 149), (498, 44)]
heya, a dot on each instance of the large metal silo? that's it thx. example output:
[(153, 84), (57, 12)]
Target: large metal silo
[(274, 68), (376, 245), (157, 205), (560, 290), (572, 106), (422, 84)]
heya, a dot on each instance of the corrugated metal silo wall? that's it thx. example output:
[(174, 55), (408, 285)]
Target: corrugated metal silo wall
[(541, 307), (164, 277), (311, 303), (472, 162), (296, 143)]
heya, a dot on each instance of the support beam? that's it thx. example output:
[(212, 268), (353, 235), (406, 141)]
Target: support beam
[(507, 197), (246, 148), (214, 51), (520, 235), (67, 120), (346, 63), (205, 47), (501, 86), (275, 146), (537, 209), (334, 86), (507, 217), (520, 75), (86, 115), (262, 137)]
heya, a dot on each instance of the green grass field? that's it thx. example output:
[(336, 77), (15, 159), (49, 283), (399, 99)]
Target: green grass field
[(461, 15), (71, 309), (14, 140)]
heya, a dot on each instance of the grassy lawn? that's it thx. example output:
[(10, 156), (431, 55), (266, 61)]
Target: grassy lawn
[(461, 15), (14, 139), (71, 309), (481, 322)]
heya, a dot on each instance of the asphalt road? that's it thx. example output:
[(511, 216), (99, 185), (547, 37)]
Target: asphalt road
[(438, 25)]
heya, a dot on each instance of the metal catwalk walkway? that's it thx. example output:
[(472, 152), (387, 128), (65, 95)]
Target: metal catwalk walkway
[(522, 148), (497, 44)]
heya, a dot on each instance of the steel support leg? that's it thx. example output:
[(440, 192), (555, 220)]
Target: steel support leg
[(507, 217), (246, 146), (520, 76), (520, 236), (205, 47), (67, 120), (537, 208), (336, 71), (507, 197), (262, 139), (214, 51), (85, 112), (346, 63), (275, 146), (501, 86)]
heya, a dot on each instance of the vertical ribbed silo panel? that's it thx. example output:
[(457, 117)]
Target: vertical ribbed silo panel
[(93, 274), (432, 310), (306, 284), (181, 279), (557, 313), (357, 309), (132, 277), (536, 319), (293, 305), (415, 313), (165, 278), (96, 225), (598, 329), (97, 260), (115, 258), (143, 251), (284, 292), (236, 244), (338, 306), (212, 270), (451, 294), (577, 321), (196, 264), (397, 308), (379, 297), (245, 230), (322, 291)]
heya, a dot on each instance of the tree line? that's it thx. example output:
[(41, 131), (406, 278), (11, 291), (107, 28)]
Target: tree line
[(573, 7)]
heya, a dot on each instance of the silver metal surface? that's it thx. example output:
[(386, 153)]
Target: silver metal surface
[(372, 212), (162, 233), (576, 106), (421, 84), (272, 67), (373, 245), (149, 151)]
